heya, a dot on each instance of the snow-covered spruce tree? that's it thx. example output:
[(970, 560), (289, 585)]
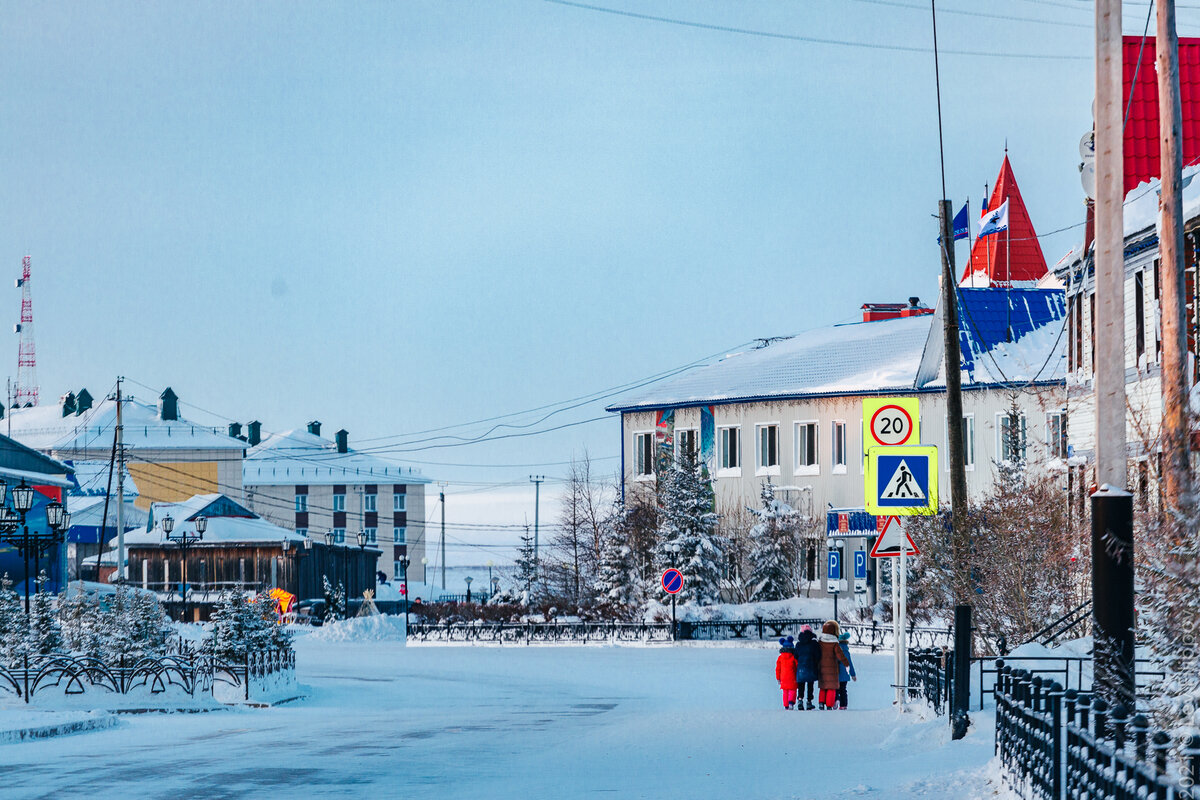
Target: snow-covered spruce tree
[(615, 583), (236, 627), (527, 576), (150, 624), (773, 549), (79, 617), (335, 599), (45, 635), (12, 624), (689, 538)]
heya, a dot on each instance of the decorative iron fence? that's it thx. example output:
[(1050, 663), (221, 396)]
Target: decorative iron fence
[(189, 672), (1055, 744), (883, 637), (529, 632), (758, 628), (931, 676), (1071, 672)]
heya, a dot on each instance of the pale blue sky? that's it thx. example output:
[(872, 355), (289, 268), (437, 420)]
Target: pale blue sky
[(399, 216)]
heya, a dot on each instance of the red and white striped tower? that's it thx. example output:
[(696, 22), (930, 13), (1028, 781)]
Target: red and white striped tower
[(27, 386)]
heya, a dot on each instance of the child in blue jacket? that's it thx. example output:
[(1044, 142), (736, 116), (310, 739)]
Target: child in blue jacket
[(845, 675)]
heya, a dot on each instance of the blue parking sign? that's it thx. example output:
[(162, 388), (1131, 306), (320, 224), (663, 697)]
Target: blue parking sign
[(835, 565), (860, 565)]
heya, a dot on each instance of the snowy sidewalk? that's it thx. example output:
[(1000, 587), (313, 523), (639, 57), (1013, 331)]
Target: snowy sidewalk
[(388, 721)]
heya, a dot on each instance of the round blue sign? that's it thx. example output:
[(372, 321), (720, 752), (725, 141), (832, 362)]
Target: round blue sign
[(672, 581)]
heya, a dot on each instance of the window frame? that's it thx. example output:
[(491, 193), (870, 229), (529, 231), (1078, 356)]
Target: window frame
[(638, 474), (1053, 442), (371, 503), (678, 444), (815, 467), (968, 441), (735, 470), (400, 534), (301, 503), (339, 535), (1001, 418), (372, 534), (761, 468), (835, 467), (339, 502), (400, 502)]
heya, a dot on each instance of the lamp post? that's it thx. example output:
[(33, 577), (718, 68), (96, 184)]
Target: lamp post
[(185, 539), (361, 538), (495, 586), (469, 579), (14, 519), (490, 564), (329, 539), (404, 562)]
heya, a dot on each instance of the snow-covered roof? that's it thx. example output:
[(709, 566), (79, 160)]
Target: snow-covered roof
[(886, 356), (91, 479), (45, 428), (228, 523), (300, 457)]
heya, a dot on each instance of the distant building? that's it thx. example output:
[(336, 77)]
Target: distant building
[(94, 516), (20, 464), (790, 412), (312, 485), (239, 550), (170, 458)]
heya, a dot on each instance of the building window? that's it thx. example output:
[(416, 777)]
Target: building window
[(398, 570), (730, 448), (399, 502), (968, 442), (372, 535), (839, 447), (643, 454), (339, 502), (1005, 446), (768, 449), (399, 535), (805, 444), (339, 535), (685, 442), (369, 502), (302, 532), (1139, 315), (301, 502), (1056, 434)]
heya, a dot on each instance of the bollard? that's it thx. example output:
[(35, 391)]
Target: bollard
[(1120, 718), (1085, 704), (1070, 698), (1036, 705)]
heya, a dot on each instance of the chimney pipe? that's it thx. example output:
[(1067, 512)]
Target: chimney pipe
[(254, 431), (343, 440), (314, 428), (235, 430)]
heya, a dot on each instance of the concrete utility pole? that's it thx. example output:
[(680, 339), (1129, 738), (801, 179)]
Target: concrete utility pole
[(536, 480), (1176, 469), (1112, 506), (442, 502), (954, 407), (120, 491)]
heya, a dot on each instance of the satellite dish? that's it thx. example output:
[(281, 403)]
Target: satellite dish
[(1087, 170)]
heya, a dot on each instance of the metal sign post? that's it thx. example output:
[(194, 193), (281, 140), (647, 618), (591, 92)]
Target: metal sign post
[(672, 582)]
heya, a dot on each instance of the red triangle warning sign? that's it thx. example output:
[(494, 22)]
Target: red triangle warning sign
[(891, 539)]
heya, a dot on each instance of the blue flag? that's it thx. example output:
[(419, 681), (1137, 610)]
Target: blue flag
[(960, 223)]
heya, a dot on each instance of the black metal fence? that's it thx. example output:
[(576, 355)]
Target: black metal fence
[(530, 632), (191, 673), (931, 676), (1055, 744), (1071, 672)]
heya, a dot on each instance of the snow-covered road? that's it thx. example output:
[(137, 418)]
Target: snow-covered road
[(520, 722)]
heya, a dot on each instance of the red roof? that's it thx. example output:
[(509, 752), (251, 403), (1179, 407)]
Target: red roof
[(1141, 133), (1013, 255)]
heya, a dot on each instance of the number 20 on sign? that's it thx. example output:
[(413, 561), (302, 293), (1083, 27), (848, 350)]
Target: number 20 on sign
[(891, 421)]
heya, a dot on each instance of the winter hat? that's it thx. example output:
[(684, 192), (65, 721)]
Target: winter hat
[(790, 641), (806, 628), (844, 637), (783, 642)]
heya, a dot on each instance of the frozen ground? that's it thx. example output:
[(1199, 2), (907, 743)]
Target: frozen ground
[(521, 722)]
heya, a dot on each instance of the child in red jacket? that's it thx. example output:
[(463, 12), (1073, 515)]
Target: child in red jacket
[(785, 672)]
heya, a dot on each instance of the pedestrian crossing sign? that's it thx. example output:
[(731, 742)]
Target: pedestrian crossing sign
[(901, 481)]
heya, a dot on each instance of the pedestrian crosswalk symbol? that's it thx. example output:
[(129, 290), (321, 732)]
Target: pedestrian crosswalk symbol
[(902, 480), (902, 485)]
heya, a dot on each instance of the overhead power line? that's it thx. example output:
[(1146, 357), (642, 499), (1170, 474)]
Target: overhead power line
[(897, 48)]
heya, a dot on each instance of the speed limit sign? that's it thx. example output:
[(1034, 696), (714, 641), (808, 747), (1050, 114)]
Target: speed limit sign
[(891, 421)]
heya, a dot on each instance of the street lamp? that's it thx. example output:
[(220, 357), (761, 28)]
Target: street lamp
[(361, 538), (495, 587), (329, 537), (490, 564), (36, 542), (404, 562), (185, 539), (469, 579)]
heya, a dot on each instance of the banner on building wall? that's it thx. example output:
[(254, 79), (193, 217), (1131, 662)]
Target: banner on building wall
[(664, 432), (708, 437)]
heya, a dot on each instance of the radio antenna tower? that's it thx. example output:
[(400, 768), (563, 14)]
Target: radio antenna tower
[(27, 386)]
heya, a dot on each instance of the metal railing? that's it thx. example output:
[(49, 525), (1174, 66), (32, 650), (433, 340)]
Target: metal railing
[(931, 676), (189, 672), (1055, 744), (529, 632), (1071, 672)]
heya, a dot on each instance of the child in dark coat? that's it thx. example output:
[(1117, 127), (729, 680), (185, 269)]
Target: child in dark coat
[(785, 672), (831, 657), (845, 673), (808, 658)]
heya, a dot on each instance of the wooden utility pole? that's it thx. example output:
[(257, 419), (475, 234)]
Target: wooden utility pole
[(1109, 381), (1176, 477), (954, 408)]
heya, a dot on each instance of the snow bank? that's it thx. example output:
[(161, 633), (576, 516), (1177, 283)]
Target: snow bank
[(22, 723), (380, 628)]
